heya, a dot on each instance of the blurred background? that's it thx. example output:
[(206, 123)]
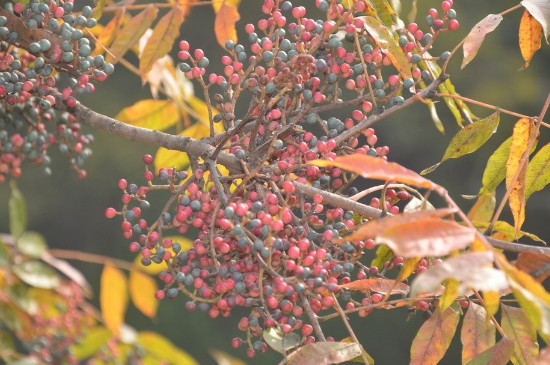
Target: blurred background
[(69, 211)]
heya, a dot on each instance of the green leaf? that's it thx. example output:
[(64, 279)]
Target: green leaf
[(499, 354), (517, 327), (540, 10), (384, 38), (150, 114), (538, 171), (37, 274), (4, 255), (434, 337), (6, 342), (93, 340), (483, 208), (19, 294), (384, 11), (383, 255), (477, 334), (279, 341), (18, 211), (161, 41), (475, 38), (98, 10), (32, 244), (495, 171), (471, 137), (160, 347), (130, 34)]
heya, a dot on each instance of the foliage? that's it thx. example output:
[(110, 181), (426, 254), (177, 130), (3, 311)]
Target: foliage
[(263, 212)]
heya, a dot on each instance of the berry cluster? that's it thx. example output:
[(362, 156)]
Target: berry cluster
[(261, 243), (36, 41)]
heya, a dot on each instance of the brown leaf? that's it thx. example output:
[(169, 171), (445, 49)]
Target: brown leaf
[(477, 334), (224, 24), (371, 167), (530, 34), (376, 226), (535, 264), (434, 337), (378, 285), (475, 38)]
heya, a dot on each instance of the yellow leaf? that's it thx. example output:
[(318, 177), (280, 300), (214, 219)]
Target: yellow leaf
[(449, 294), (520, 138), (224, 24), (142, 292), (515, 325), (492, 301), (217, 4), (530, 34), (150, 114), (113, 297), (155, 269), (409, 266), (482, 210), (130, 34), (161, 40), (163, 350)]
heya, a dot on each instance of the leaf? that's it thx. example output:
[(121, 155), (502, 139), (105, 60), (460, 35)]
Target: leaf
[(385, 40), (451, 292), (535, 264), (224, 24), (18, 211), (477, 334), (37, 274), (540, 10), (113, 297), (517, 327), (483, 208), (384, 11), (109, 31), (492, 302), (471, 137), (129, 35), (409, 267), (383, 255), (434, 337), (31, 244), (427, 237), (371, 167), (324, 353), (163, 349), (223, 358), (416, 204), (374, 227), (507, 233), (495, 170), (166, 31), (538, 171), (150, 114), (378, 285), (544, 357), (142, 291), (530, 32), (98, 10), (469, 268), (499, 354), (475, 38), (217, 4), (531, 295), (520, 139), (93, 340), (280, 341)]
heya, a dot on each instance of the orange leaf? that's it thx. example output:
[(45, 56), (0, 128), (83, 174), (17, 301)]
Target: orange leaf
[(224, 25), (161, 41), (376, 226), (520, 138), (113, 297), (217, 4), (530, 33), (516, 325), (477, 334), (378, 168), (130, 34), (434, 337), (427, 237), (108, 33), (378, 285), (142, 292)]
